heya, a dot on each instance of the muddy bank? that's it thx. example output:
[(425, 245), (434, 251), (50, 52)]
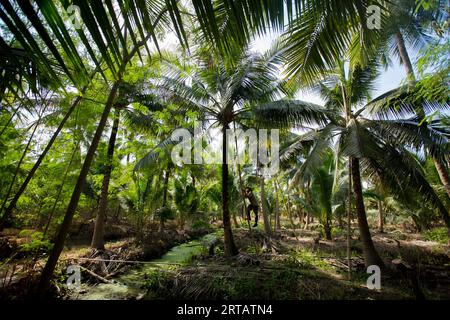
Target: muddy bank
[(133, 282), (21, 273), (153, 245), (301, 265)]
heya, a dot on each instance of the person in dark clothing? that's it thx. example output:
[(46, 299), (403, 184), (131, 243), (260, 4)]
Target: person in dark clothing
[(253, 206)]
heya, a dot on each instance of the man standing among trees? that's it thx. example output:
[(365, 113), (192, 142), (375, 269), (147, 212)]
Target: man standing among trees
[(253, 206)]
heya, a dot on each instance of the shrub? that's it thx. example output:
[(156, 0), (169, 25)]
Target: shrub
[(36, 242), (437, 234)]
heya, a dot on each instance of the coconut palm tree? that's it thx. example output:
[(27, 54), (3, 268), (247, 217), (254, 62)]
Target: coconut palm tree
[(321, 194), (371, 145), (408, 25), (237, 89)]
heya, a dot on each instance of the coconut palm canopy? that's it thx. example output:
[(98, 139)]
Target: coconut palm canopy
[(93, 93)]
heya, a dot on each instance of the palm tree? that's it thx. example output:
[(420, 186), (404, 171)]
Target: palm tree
[(98, 241), (407, 26), (372, 145), (321, 194), (236, 89)]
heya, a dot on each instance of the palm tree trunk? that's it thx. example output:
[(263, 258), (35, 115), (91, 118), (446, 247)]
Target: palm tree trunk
[(404, 56), (264, 209), (349, 220), (230, 246), (98, 241), (63, 182), (443, 174), (241, 183), (277, 208), (166, 186), (327, 228), (47, 272), (164, 199), (371, 256), (306, 226), (380, 216)]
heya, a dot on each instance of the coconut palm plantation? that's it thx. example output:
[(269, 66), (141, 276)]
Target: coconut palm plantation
[(224, 150)]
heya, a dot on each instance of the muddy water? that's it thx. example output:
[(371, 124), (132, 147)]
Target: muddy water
[(129, 284)]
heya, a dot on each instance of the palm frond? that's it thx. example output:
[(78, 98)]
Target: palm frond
[(285, 114)]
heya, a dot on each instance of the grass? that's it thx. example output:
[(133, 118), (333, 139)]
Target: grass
[(437, 234)]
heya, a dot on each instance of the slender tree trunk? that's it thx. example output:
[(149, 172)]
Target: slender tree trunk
[(443, 174), (98, 241), (339, 221), (327, 229), (264, 209), (380, 216), (306, 221), (349, 214), (289, 211), (50, 217), (164, 199), (241, 184), (166, 186), (308, 201), (230, 246), (371, 256), (10, 120), (404, 56), (277, 207), (117, 215), (47, 272)]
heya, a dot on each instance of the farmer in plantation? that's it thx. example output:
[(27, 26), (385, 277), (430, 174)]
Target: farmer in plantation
[(253, 206)]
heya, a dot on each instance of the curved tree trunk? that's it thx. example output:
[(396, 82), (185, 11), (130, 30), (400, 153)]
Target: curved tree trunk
[(230, 246), (98, 241), (443, 174), (371, 256), (47, 272)]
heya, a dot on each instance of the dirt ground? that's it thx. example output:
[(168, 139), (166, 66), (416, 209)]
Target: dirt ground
[(300, 265), (289, 265)]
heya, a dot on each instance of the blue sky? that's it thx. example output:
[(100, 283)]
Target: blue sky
[(389, 79)]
